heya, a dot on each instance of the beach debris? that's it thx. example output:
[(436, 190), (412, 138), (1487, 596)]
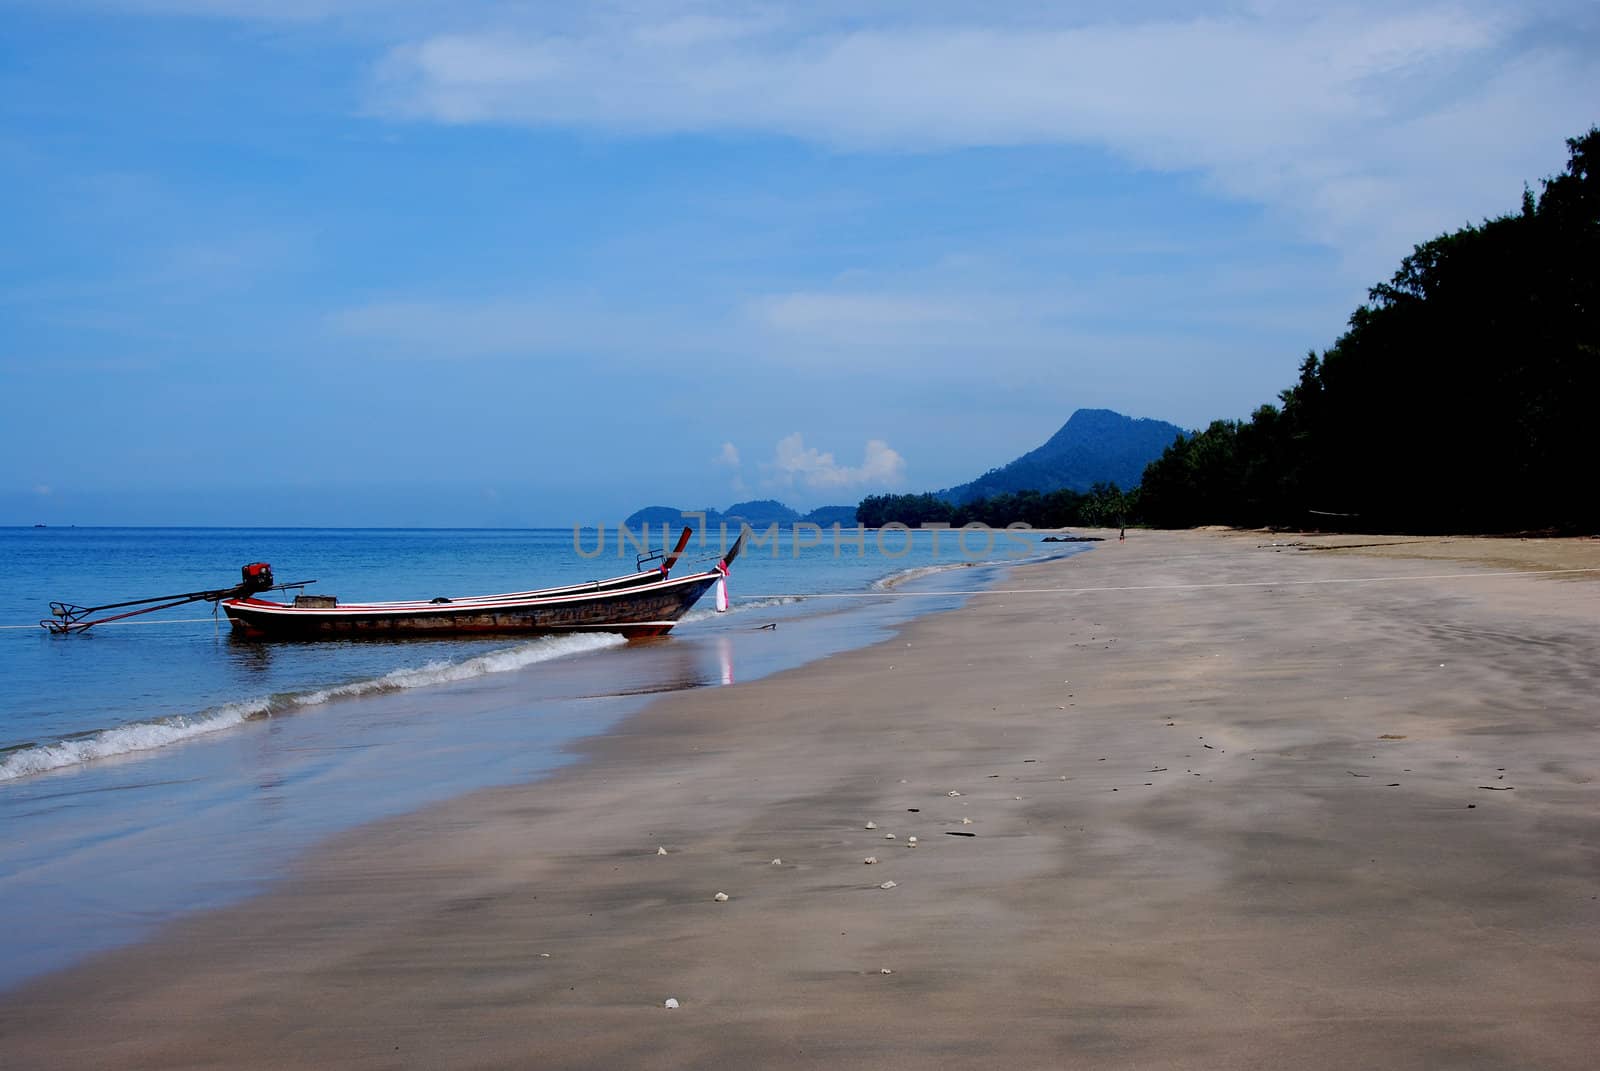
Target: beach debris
[(1395, 784), (1352, 773), (914, 810), (911, 842), (888, 885), (721, 898), (1498, 788), (958, 833), (952, 793), (869, 860), (871, 825), (1016, 797), (888, 836), (1392, 736), (661, 851), (1158, 769), (544, 955), (777, 862), (771, 626), (1470, 806), (886, 970), (672, 1002), (966, 821)]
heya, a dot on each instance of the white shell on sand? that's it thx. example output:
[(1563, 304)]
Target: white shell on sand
[(869, 860), (885, 970), (661, 851), (721, 898), (966, 821), (911, 841), (888, 836), (872, 825), (887, 885), (777, 862), (672, 1002), (952, 792)]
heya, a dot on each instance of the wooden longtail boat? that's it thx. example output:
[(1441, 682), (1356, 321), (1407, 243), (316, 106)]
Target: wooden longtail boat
[(646, 603)]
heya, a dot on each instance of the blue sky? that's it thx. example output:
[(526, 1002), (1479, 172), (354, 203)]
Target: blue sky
[(388, 262)]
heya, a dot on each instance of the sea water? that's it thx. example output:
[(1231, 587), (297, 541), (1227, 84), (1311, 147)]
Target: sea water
[(161, 766)]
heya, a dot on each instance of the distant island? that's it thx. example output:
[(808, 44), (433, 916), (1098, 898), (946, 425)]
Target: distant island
[(757, 513)]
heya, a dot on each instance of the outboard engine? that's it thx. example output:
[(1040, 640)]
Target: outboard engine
[(257, 576)]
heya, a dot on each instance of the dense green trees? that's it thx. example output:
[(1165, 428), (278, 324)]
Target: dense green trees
[(1104, 505), (1460, 398)]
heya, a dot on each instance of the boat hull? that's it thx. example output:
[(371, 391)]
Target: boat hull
[(637, 610)]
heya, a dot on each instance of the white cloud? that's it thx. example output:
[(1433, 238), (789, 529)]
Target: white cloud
[(796, 465), (728, 455), (1372, 123)]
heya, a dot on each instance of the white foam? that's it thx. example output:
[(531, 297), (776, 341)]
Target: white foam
[(126, 739), (160, 732), (894, 580), (740, 606), (443, 672)]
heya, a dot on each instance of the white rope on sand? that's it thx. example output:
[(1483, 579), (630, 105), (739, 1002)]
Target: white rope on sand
[(1178, 587)]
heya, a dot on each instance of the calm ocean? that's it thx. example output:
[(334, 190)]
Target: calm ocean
[(154, 768)]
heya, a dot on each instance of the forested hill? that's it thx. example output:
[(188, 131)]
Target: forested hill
[(1094, 446), (1462, 397)]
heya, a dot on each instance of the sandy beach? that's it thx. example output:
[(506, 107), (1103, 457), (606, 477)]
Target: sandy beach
[(1195, 800)]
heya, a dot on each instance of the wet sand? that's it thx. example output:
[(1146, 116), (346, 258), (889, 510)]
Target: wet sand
[(1234, 806)]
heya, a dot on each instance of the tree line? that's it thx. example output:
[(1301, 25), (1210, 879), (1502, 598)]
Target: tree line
[(1102, 506), (1460, 398)]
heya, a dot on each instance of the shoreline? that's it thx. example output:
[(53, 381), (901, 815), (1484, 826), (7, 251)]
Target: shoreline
[(106, 853), (1135, 895)]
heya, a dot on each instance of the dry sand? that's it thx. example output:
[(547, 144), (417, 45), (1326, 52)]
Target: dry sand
[(1270, 808)]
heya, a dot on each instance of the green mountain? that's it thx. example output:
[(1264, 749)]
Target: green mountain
[(1093, 446)]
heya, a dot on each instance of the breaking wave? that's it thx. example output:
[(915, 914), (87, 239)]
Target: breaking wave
[(736, 606), (894, 580), (80, 748)]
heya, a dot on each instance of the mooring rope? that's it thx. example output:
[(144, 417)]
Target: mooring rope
[(1172, 587), (109, 624)]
